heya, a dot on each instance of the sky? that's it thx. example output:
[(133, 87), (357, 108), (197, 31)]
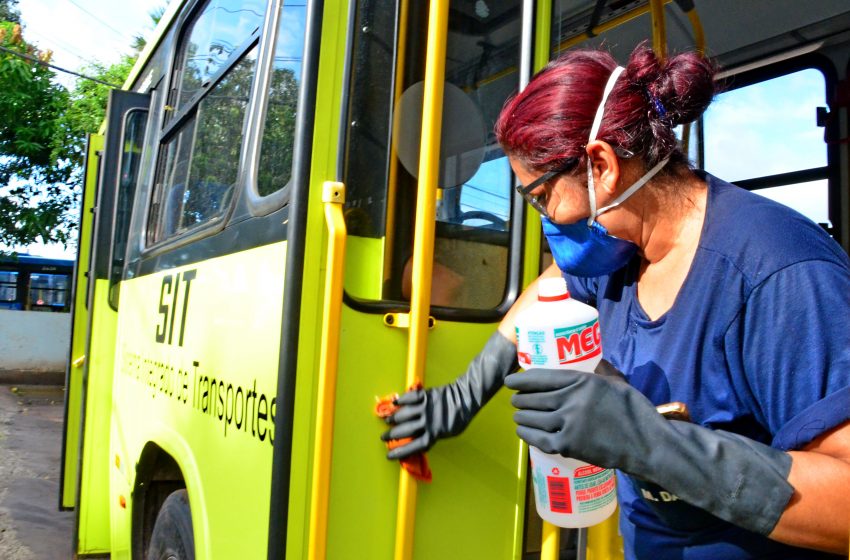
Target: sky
[(770, 128), (83, 31), (80, 32)]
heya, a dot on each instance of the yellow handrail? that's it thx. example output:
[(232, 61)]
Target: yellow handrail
[(602, 27), (550, 543), (423, 245), (699, 34), (699, 43), (333, 197), (659, 28), (551, 536)]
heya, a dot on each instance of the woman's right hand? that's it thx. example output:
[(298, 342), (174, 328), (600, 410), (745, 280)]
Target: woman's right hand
[(426, 415)]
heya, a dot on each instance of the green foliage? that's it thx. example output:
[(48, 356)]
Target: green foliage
[(86, 109), (43, 130), (29, 108), (23, 221), (9, 11), (275, 167), (34, 185)]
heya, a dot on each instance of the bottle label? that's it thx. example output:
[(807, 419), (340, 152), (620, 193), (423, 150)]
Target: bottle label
[(578, 343), (537, 356), (562, 490), (594, 488), (559, 494)]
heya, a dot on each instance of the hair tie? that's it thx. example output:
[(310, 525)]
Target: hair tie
[(656, 104)]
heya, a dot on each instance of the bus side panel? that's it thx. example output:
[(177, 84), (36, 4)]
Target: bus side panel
[(93, 516), (74, 376), (197, 359)]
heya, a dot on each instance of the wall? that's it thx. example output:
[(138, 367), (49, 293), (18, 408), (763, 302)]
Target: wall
[(34, 340)]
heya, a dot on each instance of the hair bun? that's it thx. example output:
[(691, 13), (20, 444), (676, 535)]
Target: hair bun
[(679, 89)]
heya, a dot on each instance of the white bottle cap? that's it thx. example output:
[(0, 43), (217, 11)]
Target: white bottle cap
[(552, 289)]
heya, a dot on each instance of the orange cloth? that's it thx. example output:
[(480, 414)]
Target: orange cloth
[(416, 465)]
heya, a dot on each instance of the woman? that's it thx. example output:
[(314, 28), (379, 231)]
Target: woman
[(707, 294)]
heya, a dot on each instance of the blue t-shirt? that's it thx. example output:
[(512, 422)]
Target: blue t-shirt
[(757, 343)]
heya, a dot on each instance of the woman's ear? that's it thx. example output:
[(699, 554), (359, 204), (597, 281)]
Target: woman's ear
[(604, 165)]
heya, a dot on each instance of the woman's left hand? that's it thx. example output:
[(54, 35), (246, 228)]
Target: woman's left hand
[(581, 415), (608, 423)]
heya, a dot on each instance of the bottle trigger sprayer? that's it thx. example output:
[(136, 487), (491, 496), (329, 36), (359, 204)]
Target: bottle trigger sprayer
[(558, 332)]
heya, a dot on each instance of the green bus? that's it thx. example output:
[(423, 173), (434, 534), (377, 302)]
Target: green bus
[(295, 207)]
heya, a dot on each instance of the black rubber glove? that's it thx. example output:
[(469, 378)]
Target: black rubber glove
[(610, 424), (427, 415)]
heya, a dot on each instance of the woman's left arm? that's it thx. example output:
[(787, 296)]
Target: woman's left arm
[(818, 515)]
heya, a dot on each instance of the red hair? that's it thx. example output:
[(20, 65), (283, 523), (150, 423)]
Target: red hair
[(549, 121)]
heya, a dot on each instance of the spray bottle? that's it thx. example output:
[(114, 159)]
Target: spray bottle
[(558, 332)]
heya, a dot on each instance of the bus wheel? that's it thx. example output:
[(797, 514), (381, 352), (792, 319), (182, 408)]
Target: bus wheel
[(172, 537)]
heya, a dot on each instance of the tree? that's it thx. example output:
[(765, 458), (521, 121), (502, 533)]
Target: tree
[(87, 102), (9, 11), (85, 111), (43, 130), (36, 186)]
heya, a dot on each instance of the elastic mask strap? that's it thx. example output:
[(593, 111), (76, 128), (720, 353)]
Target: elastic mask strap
[(631, 190), (594, 129)]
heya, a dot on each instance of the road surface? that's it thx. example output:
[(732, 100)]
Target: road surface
[(31, 525)]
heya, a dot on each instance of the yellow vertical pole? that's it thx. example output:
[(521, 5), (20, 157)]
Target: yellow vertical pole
[(550, 544), (423, 245), (533, 231), (604, 541), (333, 196), (699, 43), (699, 34), (551, 537), (659, 30)]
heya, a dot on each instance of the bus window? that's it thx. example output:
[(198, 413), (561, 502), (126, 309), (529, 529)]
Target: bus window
[(757, 135), (212, 39), (381, 154), (211, 85), (48, 292), (130, 159), (275, 169), (8, 289)]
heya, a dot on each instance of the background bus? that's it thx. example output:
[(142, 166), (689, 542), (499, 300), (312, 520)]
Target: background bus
[(35, 283), (35, 326), (204, 334)]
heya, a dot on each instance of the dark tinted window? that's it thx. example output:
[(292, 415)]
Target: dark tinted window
[(131, 157)]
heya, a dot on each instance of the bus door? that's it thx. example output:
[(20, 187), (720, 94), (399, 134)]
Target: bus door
[(90, 379), (474, 507), (79, 320)]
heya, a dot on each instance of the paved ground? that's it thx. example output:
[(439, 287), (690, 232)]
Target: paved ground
[(31, 525)]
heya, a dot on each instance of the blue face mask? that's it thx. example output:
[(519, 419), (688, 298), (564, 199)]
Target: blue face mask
[(585, 248)]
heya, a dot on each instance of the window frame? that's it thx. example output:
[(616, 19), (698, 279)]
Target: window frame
[(733, 80), (257, 204), (517, 207), (170, 125), (114, 277)]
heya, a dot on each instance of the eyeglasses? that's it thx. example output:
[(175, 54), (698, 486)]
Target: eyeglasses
[(539, 203)]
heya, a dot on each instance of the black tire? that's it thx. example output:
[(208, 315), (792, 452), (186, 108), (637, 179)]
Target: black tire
[(172, 537)]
